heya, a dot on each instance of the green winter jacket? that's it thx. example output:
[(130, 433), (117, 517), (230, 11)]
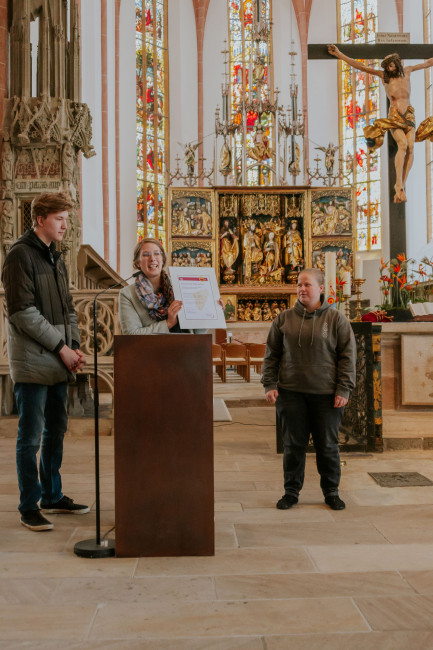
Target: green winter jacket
[(41, 316), (310, 352)]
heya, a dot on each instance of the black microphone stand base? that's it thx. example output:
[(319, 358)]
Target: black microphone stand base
[(90, 548)]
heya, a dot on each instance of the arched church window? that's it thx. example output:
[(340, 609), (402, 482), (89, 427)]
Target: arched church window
[(152, 115), (359, 105), (248, 62), (427, 6)]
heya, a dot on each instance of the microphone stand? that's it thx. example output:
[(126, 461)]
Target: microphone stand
[(93, 548)]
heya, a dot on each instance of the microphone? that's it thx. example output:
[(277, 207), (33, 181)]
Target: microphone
[(92, 548)]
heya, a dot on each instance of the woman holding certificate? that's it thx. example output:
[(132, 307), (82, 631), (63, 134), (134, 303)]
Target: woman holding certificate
[(148, 306)]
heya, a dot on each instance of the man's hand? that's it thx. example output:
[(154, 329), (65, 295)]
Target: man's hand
[(82, 361), (333, 49), (271, 396), (340, 401), (70, 358)]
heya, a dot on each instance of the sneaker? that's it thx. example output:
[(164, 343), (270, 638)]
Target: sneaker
[(34, 520), (334, 502), (286, 502), (65, 506)]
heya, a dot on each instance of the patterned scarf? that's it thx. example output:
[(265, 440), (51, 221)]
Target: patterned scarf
[(156, 302)]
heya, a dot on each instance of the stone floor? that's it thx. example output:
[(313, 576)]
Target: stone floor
[(307, 578)]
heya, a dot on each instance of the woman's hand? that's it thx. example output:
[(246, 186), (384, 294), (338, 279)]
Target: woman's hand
[(340, 401), (271, 396), (172, 312)]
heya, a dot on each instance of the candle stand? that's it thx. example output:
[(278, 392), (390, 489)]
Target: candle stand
[(358, 284)]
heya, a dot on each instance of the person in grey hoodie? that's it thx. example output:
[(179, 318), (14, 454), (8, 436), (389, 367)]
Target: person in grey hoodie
[(309, 371), (43, 351)]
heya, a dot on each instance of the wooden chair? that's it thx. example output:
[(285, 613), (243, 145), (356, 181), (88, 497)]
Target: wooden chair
[(219, 361), (256, 355), (237, 355)]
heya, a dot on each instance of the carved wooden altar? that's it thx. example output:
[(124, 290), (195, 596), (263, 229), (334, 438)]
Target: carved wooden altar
[(261, 238)]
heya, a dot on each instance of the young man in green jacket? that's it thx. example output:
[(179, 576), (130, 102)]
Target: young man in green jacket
[(309, 370), (44, 354)]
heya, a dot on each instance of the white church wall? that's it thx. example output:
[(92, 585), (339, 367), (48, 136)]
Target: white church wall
[(216, 32), (285, 30), (182, 52), (91, 200), (322, 80), (111, 117), (127, 137)]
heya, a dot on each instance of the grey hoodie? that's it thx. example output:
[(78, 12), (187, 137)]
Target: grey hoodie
[(310, 352)]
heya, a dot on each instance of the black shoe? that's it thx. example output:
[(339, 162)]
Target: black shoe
[(65, 506), (34, 520), (334, 502), (286, 502)]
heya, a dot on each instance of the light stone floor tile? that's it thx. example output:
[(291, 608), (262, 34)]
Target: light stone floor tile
[(315, 585), (228, 618), (307, 533), (383, 496), (133, 590), (62, 565), (41, 622), (225, 536), (372, 557), (272, 515), (360, 641), (421, 581), (243, 561), (398, 613), (226, 643), (27, 591)]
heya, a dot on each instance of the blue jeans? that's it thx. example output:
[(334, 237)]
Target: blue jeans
[(301, 414), (42, 412)]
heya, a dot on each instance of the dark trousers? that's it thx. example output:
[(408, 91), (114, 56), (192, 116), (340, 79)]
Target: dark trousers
[(301, 414), (43, 416)]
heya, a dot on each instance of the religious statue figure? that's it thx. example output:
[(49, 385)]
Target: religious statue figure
[(257, 312), (68, 162), (259, 69), (292, 244), (317, 221), (329, 152), (271, 252), (7, 162), (7, 221), (189, 153), (401, 117), (252, 250), (229, 251), (225, 159), (295, 165), (261, 150), (266, 311)]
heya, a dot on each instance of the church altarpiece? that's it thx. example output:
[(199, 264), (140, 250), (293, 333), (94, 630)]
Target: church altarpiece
[(259, 240)]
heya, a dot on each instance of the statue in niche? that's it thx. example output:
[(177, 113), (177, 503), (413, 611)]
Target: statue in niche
[(252, 251), (257, 312), (225, 159), (68, 162), (292, 244), (7, 162), (229, 251), (261, 150), (272, 265), (259, 69), (7, 221), (266, 311)]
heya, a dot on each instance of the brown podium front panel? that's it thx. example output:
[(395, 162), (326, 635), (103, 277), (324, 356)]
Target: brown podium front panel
[(163, 441)]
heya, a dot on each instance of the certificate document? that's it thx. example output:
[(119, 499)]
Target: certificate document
[(198, 289)]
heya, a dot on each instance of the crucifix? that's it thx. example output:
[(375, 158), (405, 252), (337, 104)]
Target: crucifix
[(400, 120)]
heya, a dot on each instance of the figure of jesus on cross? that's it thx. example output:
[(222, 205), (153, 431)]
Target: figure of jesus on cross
[(401, 117)]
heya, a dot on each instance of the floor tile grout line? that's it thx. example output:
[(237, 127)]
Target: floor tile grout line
[(408, 583), (92, 622), (356, 606)]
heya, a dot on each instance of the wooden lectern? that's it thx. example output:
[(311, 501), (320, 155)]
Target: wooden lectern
[(163, 435)]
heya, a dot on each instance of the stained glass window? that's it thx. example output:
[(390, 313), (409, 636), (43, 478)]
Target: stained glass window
[(358, 106), (152, 115), (429, 111), (242, 59)]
